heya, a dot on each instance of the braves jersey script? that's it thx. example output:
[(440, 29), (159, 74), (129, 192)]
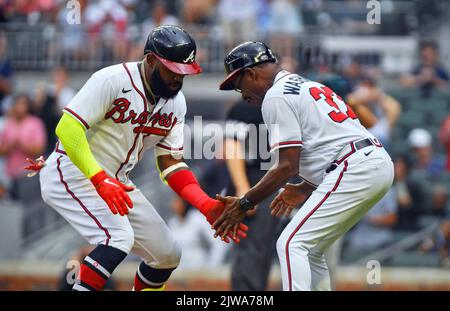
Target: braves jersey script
[(121, 123), (303, 113)]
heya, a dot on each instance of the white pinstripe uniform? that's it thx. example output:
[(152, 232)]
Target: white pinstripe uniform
[(309, 115), (120, 125)]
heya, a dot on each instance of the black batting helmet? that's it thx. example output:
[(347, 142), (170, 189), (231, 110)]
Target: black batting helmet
[(243, 56), (175, 48)]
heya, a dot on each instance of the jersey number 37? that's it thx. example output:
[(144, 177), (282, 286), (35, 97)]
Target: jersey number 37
[(337, 115)]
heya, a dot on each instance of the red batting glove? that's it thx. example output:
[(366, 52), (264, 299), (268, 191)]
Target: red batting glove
[(214, 209), (113, 192), (35, 165)]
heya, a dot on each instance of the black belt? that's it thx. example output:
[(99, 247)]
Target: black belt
[(363, 143), (351, 149)]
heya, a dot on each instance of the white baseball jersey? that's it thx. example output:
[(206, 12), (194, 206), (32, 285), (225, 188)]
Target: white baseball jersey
[(303, 113), (121, 124)]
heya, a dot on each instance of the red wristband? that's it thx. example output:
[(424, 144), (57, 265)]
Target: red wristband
[(98, 178), (186, 186)]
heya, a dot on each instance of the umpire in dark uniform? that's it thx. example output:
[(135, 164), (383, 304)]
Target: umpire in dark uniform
[(251, 260)]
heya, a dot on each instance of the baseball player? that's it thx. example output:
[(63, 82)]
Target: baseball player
[(345, 170), (120, 112)]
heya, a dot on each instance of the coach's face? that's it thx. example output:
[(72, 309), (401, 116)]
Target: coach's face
[(164, 82), (250, 85)]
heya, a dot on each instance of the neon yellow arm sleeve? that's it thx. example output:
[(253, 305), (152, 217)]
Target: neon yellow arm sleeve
[(73, 138)]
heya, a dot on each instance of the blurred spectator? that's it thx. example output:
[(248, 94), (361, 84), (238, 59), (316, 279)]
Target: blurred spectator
[(31, 12), (4, 188), (199, 248), (158, 16), (72, 39), (284, 25), (23, 136), (444, 137), (238, 20), (4, 179), (375, 230), (425, 161), (288, 63), (130, 5), (411, 195), (353, 73), (19, 10), (263, 9), (106, 23), (60, 91), (197, 12), (43, 107), (377, 111), (49, 102), (439, 242), (6, 72), (439, 201), (335, 82), (284, 17), (429, 74), (102, 14)]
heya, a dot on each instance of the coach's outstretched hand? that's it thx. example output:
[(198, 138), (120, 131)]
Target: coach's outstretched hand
[(215, 213), (113, 192), (291, 196), (231, 218)]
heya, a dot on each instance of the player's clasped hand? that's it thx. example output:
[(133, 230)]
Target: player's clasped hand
[(113, 192), (214, 213), (230, 220), (286, 200)]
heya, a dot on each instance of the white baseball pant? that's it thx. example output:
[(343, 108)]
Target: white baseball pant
[(142, 231), (338, 203)]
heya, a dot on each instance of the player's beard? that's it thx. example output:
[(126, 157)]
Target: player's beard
[(160, 88)]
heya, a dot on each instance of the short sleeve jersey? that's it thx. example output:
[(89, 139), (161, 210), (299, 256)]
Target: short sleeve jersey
[(307, 114)]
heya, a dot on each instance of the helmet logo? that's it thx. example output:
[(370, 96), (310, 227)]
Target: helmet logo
[(261, 56), (190, 58)]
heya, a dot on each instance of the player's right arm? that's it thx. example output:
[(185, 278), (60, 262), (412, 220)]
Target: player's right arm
[(87, 108), (72, 136)]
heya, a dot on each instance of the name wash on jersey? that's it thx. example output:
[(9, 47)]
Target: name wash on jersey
[(293, 85)]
